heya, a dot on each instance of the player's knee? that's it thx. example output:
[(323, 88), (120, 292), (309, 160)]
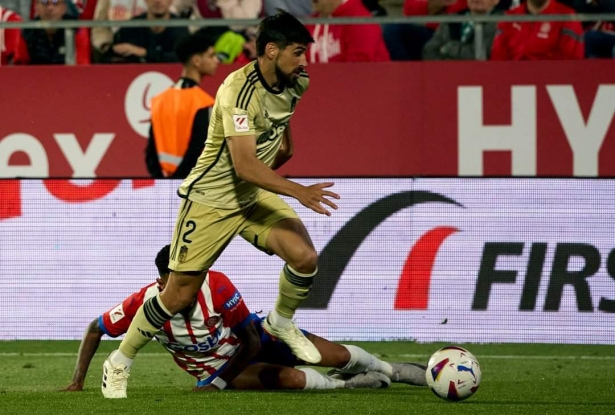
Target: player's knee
[(305, 261), (341, 357), (291, 378)]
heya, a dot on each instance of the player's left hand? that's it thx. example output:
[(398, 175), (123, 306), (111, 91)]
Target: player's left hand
[(208, 388), (73, 387)]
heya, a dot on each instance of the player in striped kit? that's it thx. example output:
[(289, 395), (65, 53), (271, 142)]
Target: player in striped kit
[(217, 338)]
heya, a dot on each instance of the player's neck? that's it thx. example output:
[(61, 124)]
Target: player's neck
[(267, 70), (192, 74)]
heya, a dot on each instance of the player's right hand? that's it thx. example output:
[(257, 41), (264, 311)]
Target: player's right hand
[(314, 196), (73, 387)]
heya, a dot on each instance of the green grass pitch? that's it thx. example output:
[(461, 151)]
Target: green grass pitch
[(517, 379)]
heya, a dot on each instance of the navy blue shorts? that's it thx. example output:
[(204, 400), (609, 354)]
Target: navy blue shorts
[(274, 351)]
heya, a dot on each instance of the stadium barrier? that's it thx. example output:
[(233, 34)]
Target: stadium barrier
[(453, 260), (427, 119), (478, 21)]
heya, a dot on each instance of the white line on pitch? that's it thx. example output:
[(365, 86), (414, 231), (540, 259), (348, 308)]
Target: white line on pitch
[(512, 357), (394, 356)]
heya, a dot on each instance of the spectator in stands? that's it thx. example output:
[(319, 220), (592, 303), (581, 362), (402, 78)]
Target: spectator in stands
[(406, 41), (102, 37), (298, 8), (144, 44), (21, 7), (72, 10), (47, 46), (85, 8), (538, 40), (345, 43), (219, 9), (13, 48), (180, 115), (600, 41), (233, 47), (231, 41), (456, 40)]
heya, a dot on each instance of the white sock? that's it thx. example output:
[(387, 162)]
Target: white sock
[(117, 357), (277, 320), (361, 361), (316, 380)]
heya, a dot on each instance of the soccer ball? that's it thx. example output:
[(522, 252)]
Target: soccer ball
[(453, 373)]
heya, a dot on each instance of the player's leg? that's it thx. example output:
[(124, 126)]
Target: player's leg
[(261, 376), (274, 227), (200, 236), (350, 360), (289, 240)]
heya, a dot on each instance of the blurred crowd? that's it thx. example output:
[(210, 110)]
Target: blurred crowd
[(333, 43)]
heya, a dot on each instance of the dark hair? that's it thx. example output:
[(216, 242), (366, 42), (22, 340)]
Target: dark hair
[(190, 45), (162, 260), (283, 29)]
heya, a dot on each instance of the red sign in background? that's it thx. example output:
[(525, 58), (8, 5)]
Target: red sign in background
[(385, 119)]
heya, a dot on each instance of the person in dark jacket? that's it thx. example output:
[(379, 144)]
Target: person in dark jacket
[(145, 44), (455, 41)]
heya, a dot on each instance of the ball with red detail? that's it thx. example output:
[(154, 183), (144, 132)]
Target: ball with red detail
[(453, 373)]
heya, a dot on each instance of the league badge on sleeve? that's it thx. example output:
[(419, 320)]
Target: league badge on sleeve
[(116, 314), (241, 123)]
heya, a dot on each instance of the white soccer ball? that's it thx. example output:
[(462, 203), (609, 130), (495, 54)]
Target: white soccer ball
[(453, 373)]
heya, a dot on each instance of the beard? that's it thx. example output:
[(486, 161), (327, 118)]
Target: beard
[(284, 78)]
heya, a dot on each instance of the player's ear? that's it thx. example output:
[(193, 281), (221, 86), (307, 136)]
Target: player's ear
[(272, 50), (195, 59)]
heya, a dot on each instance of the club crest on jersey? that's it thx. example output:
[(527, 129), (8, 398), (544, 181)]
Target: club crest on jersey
[(233, 301), (183, 253), (212, 321)]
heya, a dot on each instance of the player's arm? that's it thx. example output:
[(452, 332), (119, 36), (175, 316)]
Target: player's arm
[(250, 169), (286, 149), (113, 323), (87, 349), (248, 349)]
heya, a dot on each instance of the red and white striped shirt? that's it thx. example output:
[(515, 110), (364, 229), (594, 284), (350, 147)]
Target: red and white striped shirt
[(200, 340)]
